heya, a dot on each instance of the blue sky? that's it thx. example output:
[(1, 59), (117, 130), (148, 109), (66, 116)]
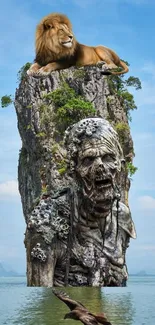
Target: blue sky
[(127, 26)]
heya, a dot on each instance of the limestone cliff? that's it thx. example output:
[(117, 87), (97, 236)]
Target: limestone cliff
[(42, 167)]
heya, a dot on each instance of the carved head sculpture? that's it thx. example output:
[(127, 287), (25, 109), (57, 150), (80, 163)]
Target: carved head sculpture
[(94, 159)]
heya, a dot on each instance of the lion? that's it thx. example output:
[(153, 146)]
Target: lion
[(57, 48)]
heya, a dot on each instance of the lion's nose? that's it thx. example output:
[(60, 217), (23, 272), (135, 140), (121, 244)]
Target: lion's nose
[(71, 37)]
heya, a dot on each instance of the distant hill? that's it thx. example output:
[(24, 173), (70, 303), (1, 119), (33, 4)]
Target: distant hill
[(9, 273), (143, 273)]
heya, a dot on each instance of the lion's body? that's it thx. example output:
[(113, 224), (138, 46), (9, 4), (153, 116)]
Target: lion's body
[(57, 48)]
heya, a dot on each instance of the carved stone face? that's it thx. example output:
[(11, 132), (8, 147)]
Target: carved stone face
[(96, 171), (94, 156)]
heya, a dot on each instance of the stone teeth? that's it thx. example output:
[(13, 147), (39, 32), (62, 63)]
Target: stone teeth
[(100, 178)]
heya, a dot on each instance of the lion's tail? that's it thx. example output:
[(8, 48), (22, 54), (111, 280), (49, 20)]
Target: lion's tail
[(122, 65)]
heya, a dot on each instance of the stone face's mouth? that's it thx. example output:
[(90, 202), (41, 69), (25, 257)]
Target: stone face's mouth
[(102, 205), (102, 182)]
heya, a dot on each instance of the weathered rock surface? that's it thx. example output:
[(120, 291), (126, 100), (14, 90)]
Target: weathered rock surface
[(44, 187)]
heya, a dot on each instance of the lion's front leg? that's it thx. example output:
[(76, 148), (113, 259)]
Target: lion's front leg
[(33, 69), (47, 69)]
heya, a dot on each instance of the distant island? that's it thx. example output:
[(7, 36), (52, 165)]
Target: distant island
[(11, 273), (142, 273)]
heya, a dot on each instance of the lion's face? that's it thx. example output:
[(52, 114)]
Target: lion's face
[(59, 35), (54, 39), (65, 37)]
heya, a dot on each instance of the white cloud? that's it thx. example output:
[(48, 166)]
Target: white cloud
[(88, 3), (6, 253), (17, 41), (85, 3), (144, 136), (146, 203), (93, 2), (135, 2), (143, 185), (80, 3), (146, 96), (147, 247), (149, 68), (9, 190), (144, 140), (117, 2)]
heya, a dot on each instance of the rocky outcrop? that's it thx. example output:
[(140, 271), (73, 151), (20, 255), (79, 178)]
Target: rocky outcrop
[(42, 175)]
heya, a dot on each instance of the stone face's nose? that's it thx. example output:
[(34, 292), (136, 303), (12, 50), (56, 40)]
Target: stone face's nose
[(100, 166), (99, 162)]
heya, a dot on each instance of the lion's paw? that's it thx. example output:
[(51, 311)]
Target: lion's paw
[(30, 72), (100, 64), (43, 72)]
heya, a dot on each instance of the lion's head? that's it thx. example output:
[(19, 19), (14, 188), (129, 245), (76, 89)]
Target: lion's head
[(54, 38)]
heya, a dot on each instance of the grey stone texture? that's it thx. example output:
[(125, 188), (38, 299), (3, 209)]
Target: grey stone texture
[(59, 250)]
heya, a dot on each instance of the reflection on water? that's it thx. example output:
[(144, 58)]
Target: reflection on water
[(119, 307), (133, 305), (46, 309)]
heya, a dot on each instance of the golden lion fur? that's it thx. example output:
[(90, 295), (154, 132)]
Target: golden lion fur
[(57, 48)]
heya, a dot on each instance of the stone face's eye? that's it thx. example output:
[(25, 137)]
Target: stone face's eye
[(108, 158), (88, 160)]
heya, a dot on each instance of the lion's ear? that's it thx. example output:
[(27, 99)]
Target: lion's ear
[(47, 25)]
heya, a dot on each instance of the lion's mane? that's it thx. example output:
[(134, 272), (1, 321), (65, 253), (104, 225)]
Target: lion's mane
[(46, 49)]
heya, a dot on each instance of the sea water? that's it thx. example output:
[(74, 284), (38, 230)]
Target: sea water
[(132, 305)]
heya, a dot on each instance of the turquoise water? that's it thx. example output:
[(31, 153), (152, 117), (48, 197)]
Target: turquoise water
[(133, 305)]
